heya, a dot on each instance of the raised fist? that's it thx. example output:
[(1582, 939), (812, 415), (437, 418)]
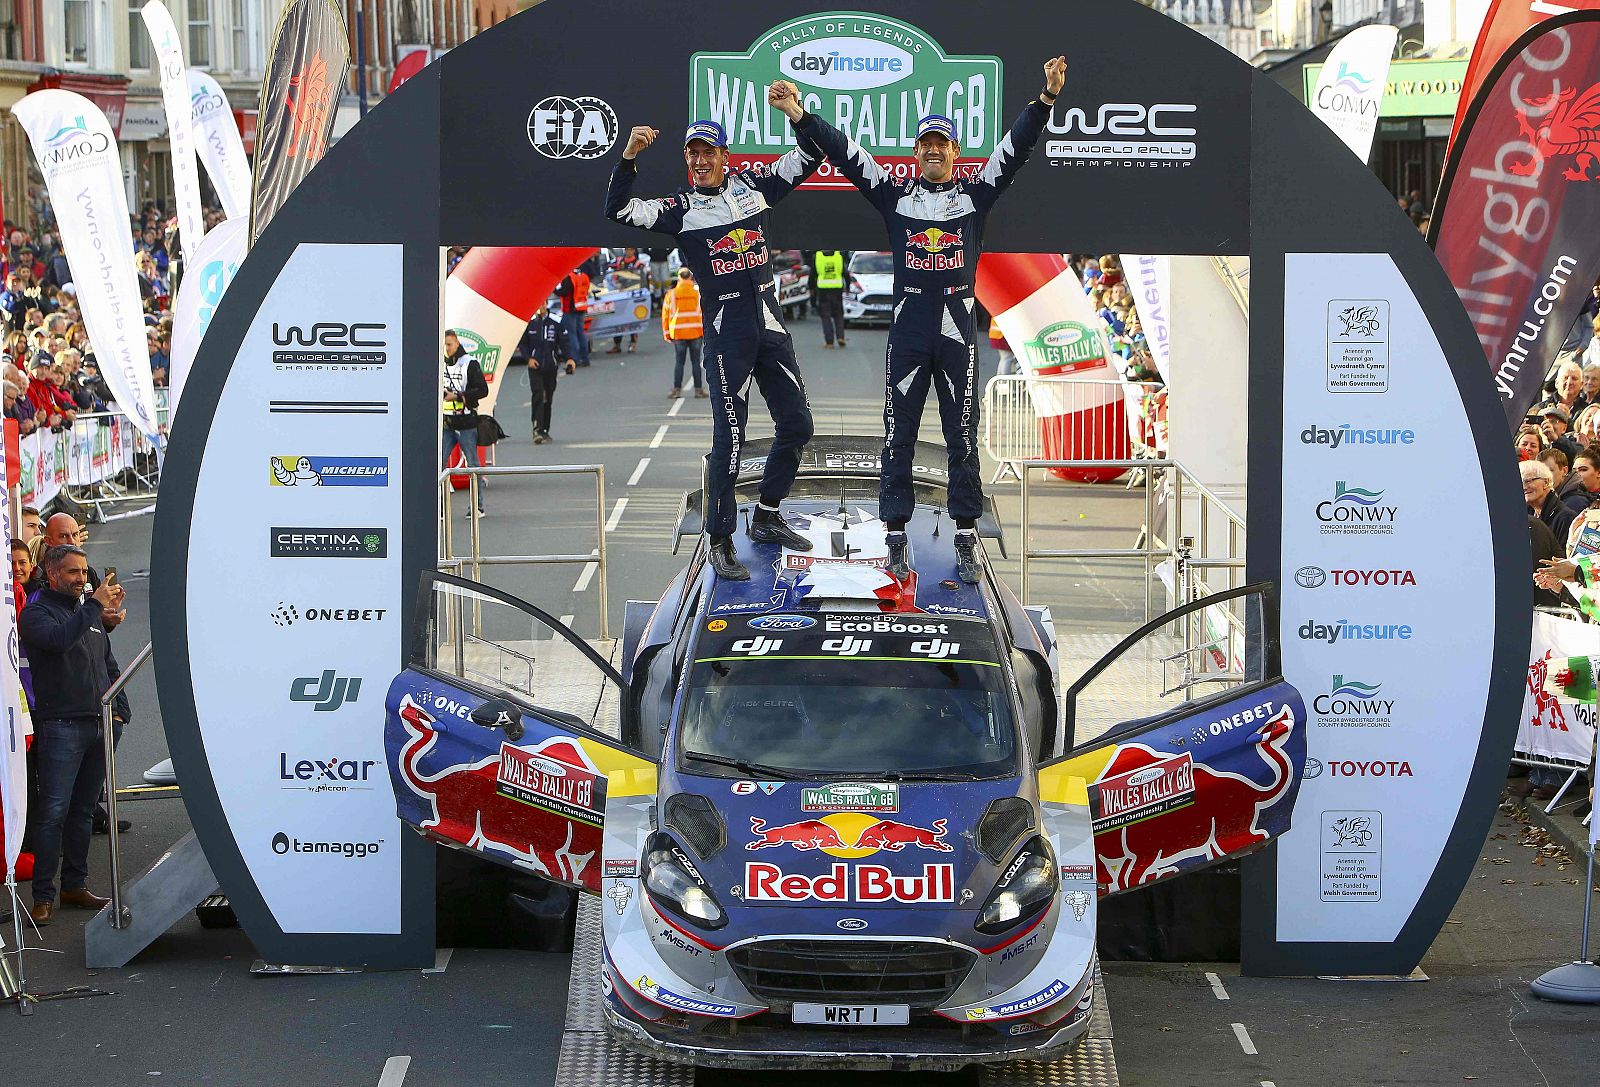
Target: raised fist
[(785, 97), (641, 137), (1055, 74)]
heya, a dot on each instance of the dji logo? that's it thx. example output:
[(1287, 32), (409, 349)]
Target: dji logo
[(847, 647), (937, 648), (757, 647), (327, 692)]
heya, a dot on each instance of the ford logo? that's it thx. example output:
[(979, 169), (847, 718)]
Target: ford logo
[(782, 622), (851, 924), (1310, 577)]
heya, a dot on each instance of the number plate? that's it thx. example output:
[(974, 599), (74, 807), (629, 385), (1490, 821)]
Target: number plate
[(854, 1015)]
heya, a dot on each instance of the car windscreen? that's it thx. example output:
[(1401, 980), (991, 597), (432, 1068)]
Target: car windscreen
[(912, 698), (872, 264)]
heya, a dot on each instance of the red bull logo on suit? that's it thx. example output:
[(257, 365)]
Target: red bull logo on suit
[(746, 245), (933, 241)]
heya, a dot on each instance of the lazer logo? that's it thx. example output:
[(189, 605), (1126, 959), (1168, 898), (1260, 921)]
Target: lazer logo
[(938, 648), (757, 647), (847, 647), (326, 692)]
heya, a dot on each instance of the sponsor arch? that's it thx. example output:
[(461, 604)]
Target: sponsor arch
[(1353, 325)]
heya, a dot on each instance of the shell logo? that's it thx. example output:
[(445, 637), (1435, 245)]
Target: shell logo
[(641, 312)]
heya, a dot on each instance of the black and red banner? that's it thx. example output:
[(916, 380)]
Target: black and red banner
[(1517, 222), (306, 74)]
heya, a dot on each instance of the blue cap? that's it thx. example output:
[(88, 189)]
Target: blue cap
[(709, 131), (935, 122)]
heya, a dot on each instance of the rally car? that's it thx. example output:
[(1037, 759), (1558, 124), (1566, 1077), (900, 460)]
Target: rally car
[(620, 305), (835, 819), (869, 288)]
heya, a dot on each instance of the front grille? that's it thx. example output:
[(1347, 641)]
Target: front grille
[(876, 299), (922, 975)]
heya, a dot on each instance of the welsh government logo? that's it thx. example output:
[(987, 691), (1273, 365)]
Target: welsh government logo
[(1567, 126), (1351, 831), (1361, 321), (568, 128)]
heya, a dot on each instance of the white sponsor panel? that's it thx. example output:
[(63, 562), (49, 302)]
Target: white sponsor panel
[(277, 702), (1552, 727), (1349, 90), (1394, 669), (221, 148), (14, 724), (180, 123), (212, 267), (77, 155), (487, 333), (1150, 280)]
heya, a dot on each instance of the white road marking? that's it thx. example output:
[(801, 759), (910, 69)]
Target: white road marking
[(1268, 1083), (1244, 1039), (644, 462), (566, 620), (394, 1071), (616, 514), (1216, 985), (589, 569), (441, 960), (655, 443), (677, 406)]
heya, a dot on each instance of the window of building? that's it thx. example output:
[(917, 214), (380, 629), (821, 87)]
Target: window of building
[(200, 33), (138, 41), (77, 21), (244, 36)]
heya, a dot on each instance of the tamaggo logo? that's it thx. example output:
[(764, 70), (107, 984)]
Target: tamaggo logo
[(1351, 703), (283, 843), (780, 622), (566, 128), (1129, 133), (1344, 436), (1356, 511), (1343, 630), (845, 64)]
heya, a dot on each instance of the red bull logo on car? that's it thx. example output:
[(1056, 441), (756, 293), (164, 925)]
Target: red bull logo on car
[(740, 248), (933, 241), (865, 884), (850, 835)]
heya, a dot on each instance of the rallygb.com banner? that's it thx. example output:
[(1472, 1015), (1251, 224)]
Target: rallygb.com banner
[(1371, 616), (302, 498)]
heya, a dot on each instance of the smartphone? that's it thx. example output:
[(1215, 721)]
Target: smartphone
[(111, 576)]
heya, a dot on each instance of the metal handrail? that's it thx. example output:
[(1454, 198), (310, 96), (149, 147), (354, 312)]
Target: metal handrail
[(121, 916), (479, 560)]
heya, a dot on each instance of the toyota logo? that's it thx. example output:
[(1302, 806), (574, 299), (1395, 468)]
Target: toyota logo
[(1310, 577), (1313, 768)]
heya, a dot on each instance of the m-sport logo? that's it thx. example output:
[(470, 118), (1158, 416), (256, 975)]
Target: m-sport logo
[(329, 346), (1129, 133), (567, 128), (330, 543)]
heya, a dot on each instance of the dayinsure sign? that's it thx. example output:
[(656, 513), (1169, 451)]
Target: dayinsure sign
[(870, 76)]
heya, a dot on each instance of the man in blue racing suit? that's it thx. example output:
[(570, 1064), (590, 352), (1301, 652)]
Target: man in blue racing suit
[(721, 226), (935, 226)]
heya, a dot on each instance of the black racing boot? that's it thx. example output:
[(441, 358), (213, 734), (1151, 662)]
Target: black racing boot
[(725, 561), (899, 562), (768, 526), (967, 556)]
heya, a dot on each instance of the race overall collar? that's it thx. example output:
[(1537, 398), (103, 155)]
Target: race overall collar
[(714, 190), (937, 186)]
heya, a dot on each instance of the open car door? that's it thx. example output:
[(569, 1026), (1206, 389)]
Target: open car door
[(1190, 743), (500, 734)]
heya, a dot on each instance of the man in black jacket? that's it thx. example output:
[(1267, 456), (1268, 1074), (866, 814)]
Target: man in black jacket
[(70, 656), (545, 346), (464, 386)]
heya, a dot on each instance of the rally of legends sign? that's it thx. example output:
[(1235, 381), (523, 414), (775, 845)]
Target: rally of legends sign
[(870, 76)]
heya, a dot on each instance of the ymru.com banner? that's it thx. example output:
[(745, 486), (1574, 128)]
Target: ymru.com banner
[(1517, 222), (305, 76)]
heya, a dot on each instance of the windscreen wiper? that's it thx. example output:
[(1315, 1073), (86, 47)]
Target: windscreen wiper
[(751, 768)]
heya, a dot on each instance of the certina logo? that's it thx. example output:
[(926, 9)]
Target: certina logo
[(1313, 577), (287, 615), (1342, 630), (329, 346), (1345, 435), (1351, 703), (1130, 133), (326, 692), (1356, 511), (330, 543), (567, 128), (283, 843), (331, 775), (845, 64), (297, 471)]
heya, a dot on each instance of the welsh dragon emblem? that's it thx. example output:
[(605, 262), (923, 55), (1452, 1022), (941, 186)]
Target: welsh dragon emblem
[(1569, 124)]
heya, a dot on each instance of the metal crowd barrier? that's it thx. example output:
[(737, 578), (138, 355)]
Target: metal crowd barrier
[(1011, 430), (120, 915), (478, 560), (96, 479)]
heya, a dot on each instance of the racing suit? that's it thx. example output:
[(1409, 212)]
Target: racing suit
[(547, 347), (745, 336), (936, 235)]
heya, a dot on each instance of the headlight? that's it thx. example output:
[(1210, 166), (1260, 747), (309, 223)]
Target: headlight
[(674, 883), (1028, 884)]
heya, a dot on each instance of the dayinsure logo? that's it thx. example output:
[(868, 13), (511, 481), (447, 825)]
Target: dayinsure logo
[(330, 543), (297, 471)]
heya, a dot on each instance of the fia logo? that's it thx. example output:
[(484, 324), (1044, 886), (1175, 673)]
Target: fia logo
[(326, 692), (847, 647), (757, 647), (938, 648)]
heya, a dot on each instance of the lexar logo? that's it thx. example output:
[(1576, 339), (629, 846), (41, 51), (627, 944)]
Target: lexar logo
[(327, 692)]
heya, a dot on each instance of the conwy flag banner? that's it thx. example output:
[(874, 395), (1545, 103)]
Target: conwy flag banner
[(1150, 281), (211, 269), (221, 147), (77, 155), (180, 124), (306, 72), (491, 295), (1517, 221), (13, 718), (1349, 90)]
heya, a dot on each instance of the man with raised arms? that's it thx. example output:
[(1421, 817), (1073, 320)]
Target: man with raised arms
[(721, 227), (935, 226)]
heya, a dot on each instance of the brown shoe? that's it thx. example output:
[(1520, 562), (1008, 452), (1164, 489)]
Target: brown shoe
[(1519, 787), (42, 912), (1542, 792), (701, 394), (84, 899)]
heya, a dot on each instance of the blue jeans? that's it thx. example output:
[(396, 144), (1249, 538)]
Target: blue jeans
[(577, 339), (690, 348), (71, 762), (468, 441)]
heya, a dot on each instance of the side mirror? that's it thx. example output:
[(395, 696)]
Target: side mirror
[(502, 714)]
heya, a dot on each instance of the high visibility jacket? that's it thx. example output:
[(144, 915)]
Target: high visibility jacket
[(830, 271), (580, 291), (680, 312)]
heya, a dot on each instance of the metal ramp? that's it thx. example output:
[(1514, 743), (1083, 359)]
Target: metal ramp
[(175, 884), (590, 1058)]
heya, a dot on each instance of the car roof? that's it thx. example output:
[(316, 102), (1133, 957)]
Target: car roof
[(844, 570)]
